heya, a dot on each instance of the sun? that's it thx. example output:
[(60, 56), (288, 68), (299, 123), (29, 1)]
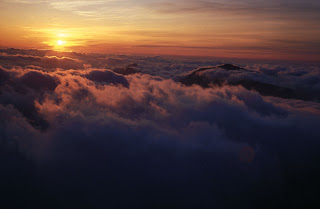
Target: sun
[(60, 42)]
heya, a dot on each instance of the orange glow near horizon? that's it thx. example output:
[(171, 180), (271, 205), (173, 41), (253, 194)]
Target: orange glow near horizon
[(160, 27), (60, 42)]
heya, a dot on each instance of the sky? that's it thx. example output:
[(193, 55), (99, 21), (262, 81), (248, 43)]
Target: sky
[(117, 126), (274, 29)]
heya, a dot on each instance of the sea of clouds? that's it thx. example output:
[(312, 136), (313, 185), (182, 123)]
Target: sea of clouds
[(118, 131)]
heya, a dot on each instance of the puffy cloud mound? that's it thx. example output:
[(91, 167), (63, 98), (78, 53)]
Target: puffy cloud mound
[(3, 75), (38, 81), (107, 76), (91, 138)]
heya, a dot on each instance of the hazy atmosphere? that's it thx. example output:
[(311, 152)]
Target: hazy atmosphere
[(274, 29), (159, 104)]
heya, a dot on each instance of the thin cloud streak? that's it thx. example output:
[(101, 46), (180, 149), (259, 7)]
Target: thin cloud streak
[(202, 25)]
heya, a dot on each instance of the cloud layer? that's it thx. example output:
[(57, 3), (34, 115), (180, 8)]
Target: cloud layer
[(92, 138)]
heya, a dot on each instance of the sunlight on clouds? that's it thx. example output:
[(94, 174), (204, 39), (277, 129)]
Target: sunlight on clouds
[(182, 27), (60, 42), (60, 39), (62, 35)]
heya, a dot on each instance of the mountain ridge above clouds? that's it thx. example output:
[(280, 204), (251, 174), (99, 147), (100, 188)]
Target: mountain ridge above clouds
[(228, 74)]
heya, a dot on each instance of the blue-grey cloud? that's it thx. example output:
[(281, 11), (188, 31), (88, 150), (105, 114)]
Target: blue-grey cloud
[(73, 138)]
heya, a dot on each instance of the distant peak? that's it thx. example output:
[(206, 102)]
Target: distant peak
[(230, 67)]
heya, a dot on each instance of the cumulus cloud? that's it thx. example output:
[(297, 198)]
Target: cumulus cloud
[(92, 138), (107, 76), (38, 81)]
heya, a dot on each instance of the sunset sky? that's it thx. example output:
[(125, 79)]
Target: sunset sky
[(274, 29), (151, 104)]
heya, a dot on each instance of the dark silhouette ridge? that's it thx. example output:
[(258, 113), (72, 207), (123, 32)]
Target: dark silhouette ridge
[(230, 67), (264, 89), (128, 70), (195, 78)]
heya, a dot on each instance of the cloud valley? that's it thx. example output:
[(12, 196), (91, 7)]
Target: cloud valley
[(97, 131)]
